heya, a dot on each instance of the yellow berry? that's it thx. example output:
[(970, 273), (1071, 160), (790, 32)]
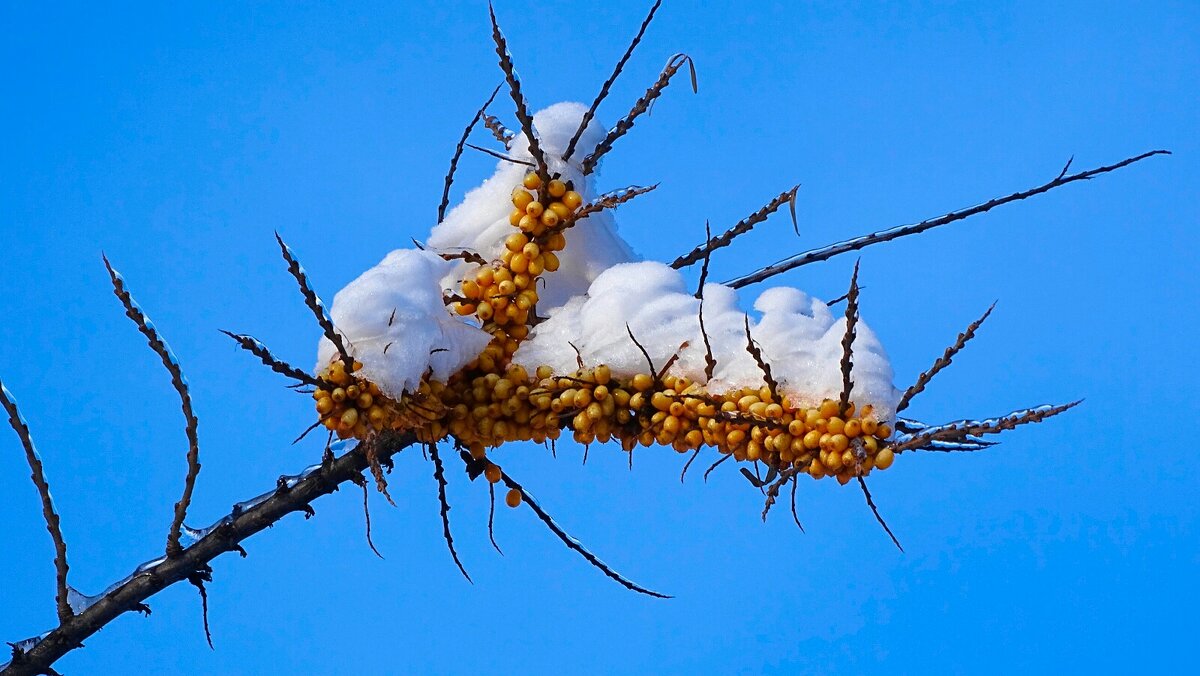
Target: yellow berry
[(884, 458), (556, 188), (521, 198), (572, 200), (532, 181)]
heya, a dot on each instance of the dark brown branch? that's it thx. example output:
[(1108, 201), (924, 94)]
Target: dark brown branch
[(439, 475), (688, 464), (492, 516), (716, 464), (499, 156), (639, 108), (314, 304), (959, 430), (591, 112), (847, 364), (169, 362), (291, 496), (740, 228), (609, 200), (514, 89), (795, 516), (827, 252), (653, 371), (362, 483), (875, 510), (38, 475), (458, 153), (943, 361), (756, 352), (256, 348), (572, 543), (197, 579)]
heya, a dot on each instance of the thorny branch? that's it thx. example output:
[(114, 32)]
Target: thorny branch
[(591, 112), (743, 226), (458, 153), (640, 107), (847, 363), (314, 303), (291, 496), (256, 348), (943, 361), (38, 475), (169, 361), (827, 252), (514, 89)]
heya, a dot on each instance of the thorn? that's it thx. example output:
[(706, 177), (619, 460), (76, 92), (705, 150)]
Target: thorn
[(874, 510)]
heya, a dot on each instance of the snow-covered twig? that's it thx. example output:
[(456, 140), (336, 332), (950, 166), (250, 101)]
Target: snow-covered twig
[(640, 107), (827, 252), (38, 475), (171, 363), (743, 226), (591, 112), (943, 361)]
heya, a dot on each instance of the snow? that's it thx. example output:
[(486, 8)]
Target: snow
[(600, 288), (799, 336), (480, 222), (395, 322)]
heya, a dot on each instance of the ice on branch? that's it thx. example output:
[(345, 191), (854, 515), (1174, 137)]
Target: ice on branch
[(481, 222), (395, 321), (798, 335)]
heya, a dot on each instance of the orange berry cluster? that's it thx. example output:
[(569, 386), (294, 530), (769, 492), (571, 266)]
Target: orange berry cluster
[(493, 401)]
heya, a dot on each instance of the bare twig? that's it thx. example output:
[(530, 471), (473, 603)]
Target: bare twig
[(827, 252), (641, 106), (514, 89), (653, 371), (716, 464), (591, 112), (197, 579), (962, 429), (796, 517), (314, 303), (572, 543), (492, 516), (608, 200), (847, 363), (439, 475), (362, 483), (256, 348), (875, 510), (756, 352), (499, 156), (169, 361), (740, 228), (458, 153), (38, 475), (688, 464), (943, 361)]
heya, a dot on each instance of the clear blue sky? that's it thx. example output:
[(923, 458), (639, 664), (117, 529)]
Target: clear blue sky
[(177, 140)]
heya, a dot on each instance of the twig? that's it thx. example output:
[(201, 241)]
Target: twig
[(847, 364), (362, 483), (160, 347), (197, 579), (962, 429), (458, 153), (514, 88), (609, 200), (943, 361), (713, 466), (796, 517), (574, 544), (645, 354), (641, 106), (38, 475), (740, 228), (875, 510), (827, 252), (492, 516), (256, 348), (688, 464), (499, 156), (591, 112), (756, 352), (440, 476), (314, 303)]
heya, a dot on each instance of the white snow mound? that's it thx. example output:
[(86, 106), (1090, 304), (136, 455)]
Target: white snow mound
[(394, 321), (799, 336)]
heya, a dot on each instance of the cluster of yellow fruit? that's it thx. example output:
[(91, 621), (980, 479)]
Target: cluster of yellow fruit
[(493, 401)]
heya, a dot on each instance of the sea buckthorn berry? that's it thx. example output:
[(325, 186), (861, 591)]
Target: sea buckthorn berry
[(528, 223), (535, 209), (642, 382), (532, 181), (572, 200), (884, 458), (556, 188), (550, 262), (492, 473), (516, 241), (550, 219), (515, 217), (559, 209), (513, 498), (521, 198)]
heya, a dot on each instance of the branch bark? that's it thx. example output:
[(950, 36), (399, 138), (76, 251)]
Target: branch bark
[(235, 528)]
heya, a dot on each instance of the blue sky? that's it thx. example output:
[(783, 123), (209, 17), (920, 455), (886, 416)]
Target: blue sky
[(177, 139)]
